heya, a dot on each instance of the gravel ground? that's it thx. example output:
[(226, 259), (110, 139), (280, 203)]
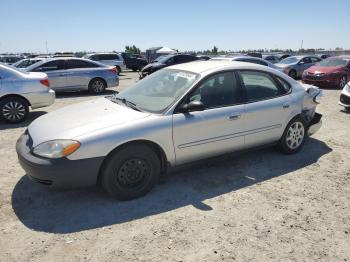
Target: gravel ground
[(256, 206)]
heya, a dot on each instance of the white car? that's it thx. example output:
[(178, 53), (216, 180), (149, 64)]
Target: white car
[(345, 97), (20, 90), (111, 59), (176, 115), (24, 63)]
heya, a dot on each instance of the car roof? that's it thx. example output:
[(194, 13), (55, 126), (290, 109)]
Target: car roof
[(200, 67)]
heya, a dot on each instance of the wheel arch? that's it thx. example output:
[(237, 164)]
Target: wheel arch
[(16, 95), (97, 77), (153, 145)]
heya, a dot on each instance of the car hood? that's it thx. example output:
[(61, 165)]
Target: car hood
[(153, 65), (79, 119), (322, 69)]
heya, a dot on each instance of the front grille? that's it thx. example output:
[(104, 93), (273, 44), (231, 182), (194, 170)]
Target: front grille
[(313, 77), (345, 99)]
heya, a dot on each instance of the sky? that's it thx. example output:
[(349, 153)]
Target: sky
[(107, 25)]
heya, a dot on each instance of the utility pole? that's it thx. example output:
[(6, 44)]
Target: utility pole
[(47, 50), (301, 46)]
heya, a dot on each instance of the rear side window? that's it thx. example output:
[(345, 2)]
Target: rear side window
[(109, 57), (260, 86), (51, 66), (71, 64)]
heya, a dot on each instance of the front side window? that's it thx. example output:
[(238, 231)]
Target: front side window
[(260, 86), (218, 90), (306, 60), (160, 90)]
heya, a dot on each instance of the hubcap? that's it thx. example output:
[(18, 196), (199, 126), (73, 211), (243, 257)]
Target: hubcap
[(342, 82), (133, 173), (97, 86), (13, 111), (295, 135)]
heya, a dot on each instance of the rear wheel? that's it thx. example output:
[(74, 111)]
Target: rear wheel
[(14, 109), (119, 70), (130, 172), (293, 74), (342, 81), (293, 137), (97, 86)]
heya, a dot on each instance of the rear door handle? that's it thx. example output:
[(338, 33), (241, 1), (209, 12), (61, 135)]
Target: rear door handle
[(234, 117)]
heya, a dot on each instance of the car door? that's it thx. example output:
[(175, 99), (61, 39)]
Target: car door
[(56, 72), (267, 108), (303, 64), (79, 73), (217, 129)]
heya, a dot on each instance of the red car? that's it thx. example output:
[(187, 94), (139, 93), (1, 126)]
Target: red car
[(331, 72)]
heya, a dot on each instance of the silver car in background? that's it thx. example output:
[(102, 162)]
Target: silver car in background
[(111, 59), (72, 74), (176, 115), (294, 66), (24, 63), (20, 90)]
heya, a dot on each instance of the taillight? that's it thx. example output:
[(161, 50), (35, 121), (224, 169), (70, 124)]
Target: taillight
[(114, 70), (45, 82)]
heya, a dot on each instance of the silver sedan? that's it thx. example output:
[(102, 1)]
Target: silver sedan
[(294, 66), (20, 90), (177, 115), (74, 74)]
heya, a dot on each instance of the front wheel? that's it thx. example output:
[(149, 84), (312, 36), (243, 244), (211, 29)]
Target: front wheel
[(130, 172), (293, 137), (14, 109), (342, 82), (293, 74)]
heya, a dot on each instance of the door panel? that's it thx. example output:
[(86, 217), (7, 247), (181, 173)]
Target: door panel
[(208, 133), (57, 79)]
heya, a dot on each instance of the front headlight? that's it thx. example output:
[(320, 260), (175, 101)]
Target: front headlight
[(56, 148)]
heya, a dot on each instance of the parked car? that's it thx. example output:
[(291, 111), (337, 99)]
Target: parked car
[(255, 54), (20, 90), (324, 56), (283, 56), (9, 59), (345, 97), (74, 74), (134, 62), (110, 59), (165, 61), (177, 115), (248, 59), (271, 58), (330, 72), (294, 66), (24, 63)]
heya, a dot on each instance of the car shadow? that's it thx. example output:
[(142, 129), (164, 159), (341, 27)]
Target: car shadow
[(76, 94), (41, 209), (31, 117)]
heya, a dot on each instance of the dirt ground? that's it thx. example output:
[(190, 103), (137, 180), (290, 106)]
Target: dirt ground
[(256, 206)]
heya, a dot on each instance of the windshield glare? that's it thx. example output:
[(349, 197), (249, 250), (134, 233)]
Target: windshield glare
[(289, 60), (160, 90), (333, 62)]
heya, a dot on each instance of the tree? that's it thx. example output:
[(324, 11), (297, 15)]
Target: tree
[(214, 51), (132, 49)]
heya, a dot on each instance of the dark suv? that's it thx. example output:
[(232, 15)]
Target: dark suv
[(165, 61), (133, 61)]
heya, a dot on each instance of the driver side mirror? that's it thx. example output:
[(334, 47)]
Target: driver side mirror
[(191, 107)]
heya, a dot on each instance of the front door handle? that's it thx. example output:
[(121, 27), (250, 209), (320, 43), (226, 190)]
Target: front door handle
[(286, 105), (234, 117)]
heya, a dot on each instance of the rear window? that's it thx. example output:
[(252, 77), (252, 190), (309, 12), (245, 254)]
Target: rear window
[(71, 64)]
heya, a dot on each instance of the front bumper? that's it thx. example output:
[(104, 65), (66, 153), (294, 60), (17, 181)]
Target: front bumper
[(324, 82), (315, 124), (57, 173), (344, 100)]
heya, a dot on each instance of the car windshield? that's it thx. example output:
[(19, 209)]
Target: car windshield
[(158, 91), (162, 59), (289, 60), (333, 62)]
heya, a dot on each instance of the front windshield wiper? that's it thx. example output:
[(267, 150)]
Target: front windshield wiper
[(126, 102)]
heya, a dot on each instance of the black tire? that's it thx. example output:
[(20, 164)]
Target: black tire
[(130, 172), (343, 80), (119, 70), (14, 109), (290, 142), (97, 86), (293, 74)]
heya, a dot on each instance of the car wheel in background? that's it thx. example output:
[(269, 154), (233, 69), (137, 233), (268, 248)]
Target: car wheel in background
[(97, 86), (293, 74), (130, 172), (119, 70), (342, 81), (293, 137), (14, 109)]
